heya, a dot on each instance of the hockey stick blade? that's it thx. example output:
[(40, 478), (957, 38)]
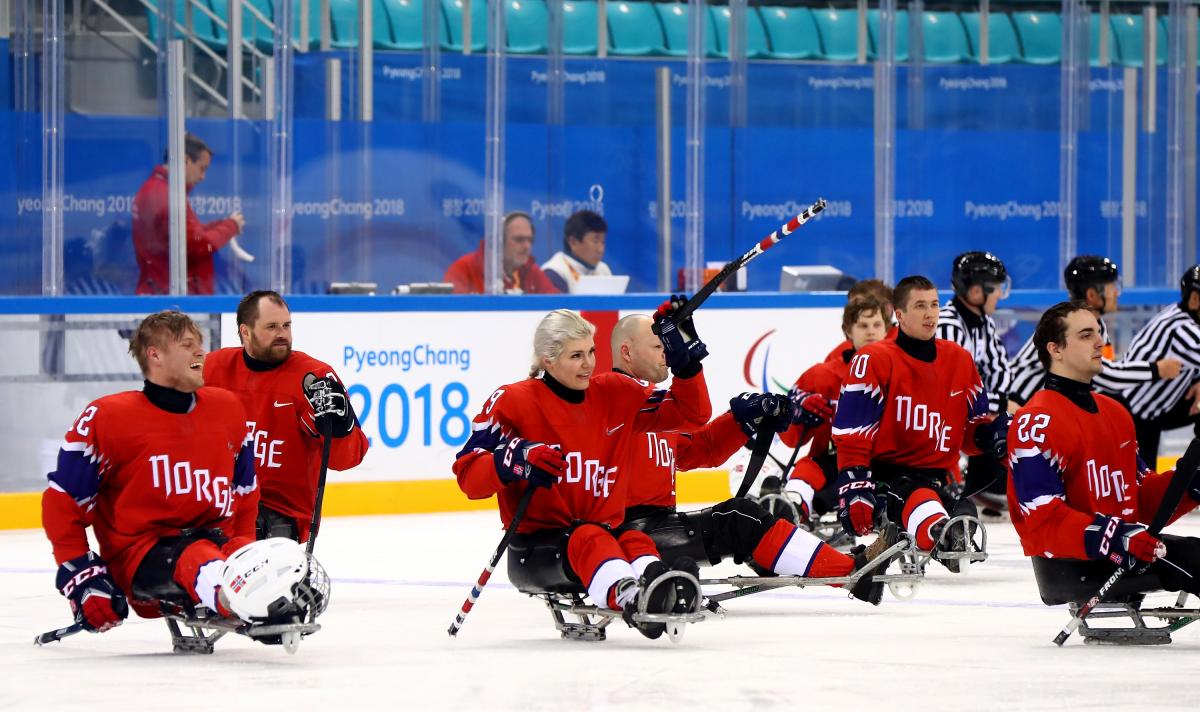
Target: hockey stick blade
[(1174, 494), (477, 589), (53, 636), (727, 271)]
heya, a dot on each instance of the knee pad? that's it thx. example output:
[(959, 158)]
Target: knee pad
[(537, 563), (676, 534)]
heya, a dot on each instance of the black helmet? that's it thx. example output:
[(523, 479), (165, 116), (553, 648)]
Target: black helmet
[(1086, 271), (971, 268), (1190, 282)]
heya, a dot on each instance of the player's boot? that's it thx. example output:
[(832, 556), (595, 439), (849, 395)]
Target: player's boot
[(867, 588), (782, 502), (956, 538), (662, 600), (687, 594)]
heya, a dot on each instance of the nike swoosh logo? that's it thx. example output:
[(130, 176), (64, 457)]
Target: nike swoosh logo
[(280, 405), (613, 430), (954, 393)]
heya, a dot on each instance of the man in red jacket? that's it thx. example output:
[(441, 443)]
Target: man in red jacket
[(151, 227), (521, 273), (269, 379)]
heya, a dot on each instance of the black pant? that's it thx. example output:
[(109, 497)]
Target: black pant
[(1073, 580), (1149, 432), (270, 523), (729, 529), (155, 576)]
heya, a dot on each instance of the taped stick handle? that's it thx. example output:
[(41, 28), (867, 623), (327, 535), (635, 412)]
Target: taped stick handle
[(733, 266), (1174, 494), (477, 589)]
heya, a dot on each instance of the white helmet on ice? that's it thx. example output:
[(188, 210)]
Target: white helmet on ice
[(274, 580)]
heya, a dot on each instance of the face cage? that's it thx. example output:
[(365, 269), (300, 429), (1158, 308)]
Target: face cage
[(312, 594)]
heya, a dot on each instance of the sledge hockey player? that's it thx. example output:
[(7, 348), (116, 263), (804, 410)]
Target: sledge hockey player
[(737, 528), (810, 484), (1093, 280), (908, 407), (269, 379), (867, 289), (165, 478), (1080, 494), (980, 281), (566, 429)]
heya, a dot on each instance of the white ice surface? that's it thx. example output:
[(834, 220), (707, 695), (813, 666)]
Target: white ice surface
[(980, 641)]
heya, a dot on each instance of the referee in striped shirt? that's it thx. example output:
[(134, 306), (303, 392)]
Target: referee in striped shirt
[(980, 281), (1167, 404), (1092, 279)]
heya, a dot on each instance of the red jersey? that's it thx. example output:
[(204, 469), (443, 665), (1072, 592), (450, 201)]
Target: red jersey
[(594, 436), (1067, 464), (466, 274), (284, 437), (137, 473), (899, 410), (838, 355), (825, 378), (152, 238), (657, 455)]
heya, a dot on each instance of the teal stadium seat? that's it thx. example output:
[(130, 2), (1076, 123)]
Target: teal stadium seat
[(579, 27), (756, 36), (1002, 38), (674, 16), (839, 33), (526, 23), (901, 34), (407, 21), (1041, 36), (945, 38), (634, 29), (202, 25), (453, 12), (792, 32), (1128, 29)]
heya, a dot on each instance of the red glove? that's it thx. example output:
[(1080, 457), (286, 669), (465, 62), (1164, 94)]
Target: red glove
[(537, 463), (809, 409), (1123, 543), (95, 599), (856, 500)]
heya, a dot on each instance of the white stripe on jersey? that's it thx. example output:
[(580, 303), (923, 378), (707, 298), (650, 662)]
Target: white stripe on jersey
[(984, 345), (1116, 377), (1172, 333)]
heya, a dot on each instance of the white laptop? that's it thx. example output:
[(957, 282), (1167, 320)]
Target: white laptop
[(602, 284)]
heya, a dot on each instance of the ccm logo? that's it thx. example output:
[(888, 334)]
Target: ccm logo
[(82, 576), (865, 484)]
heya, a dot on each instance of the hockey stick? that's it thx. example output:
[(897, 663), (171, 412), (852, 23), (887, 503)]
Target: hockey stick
[(53, 636), (1171, 498), (763, 245), (477, 589), (758, 455), (326, 444)]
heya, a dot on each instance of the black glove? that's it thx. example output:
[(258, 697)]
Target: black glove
[(992, 438), (1124, 543), (682, 348), (96, 602), (1188, 464), (856, 500), (761, 413), (327, 396), (537, 463)]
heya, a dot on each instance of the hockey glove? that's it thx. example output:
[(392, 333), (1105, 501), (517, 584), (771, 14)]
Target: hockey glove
[(1188, 463), (856, 500), (992, 437), (536, 463), (96, 602), (682, 348), (761, 413), (1123, 543), (809, 409), (327, 396)]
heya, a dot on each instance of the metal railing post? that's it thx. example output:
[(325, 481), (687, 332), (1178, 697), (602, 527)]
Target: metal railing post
[(366, 61), (233, 59), (662, 99), (176, 180)]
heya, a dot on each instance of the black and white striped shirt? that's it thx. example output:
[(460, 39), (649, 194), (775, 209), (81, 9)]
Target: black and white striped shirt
[(1172, 333), (977, 334), (1116, 376)]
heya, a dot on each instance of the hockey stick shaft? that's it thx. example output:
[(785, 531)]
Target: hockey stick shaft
[(326, 445), (1170, 502), (477, 589), (762, 246), (758, 455), (53, 636)]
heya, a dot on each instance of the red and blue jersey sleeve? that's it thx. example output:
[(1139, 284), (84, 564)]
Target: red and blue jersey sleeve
[(860, 408), (474, 466), (1047, 525), (74, 485)]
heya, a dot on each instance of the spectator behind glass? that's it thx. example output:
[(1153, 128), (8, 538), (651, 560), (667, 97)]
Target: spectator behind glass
[(521, 273), (582, 253), (152, 233)]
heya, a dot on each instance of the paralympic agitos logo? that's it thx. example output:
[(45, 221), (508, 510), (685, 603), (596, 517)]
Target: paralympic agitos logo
[(755, 369)]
